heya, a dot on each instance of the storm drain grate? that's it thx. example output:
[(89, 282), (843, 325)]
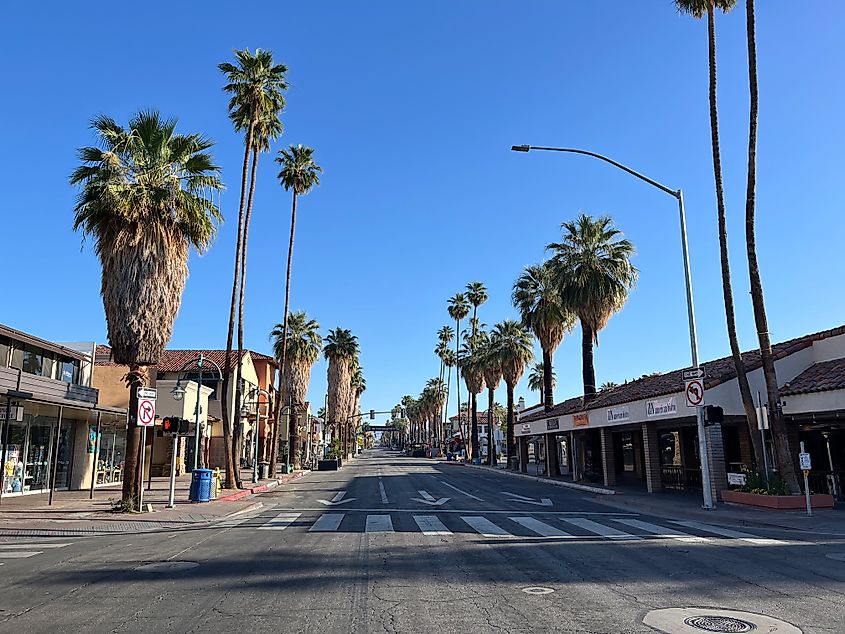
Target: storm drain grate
[(722, 624)]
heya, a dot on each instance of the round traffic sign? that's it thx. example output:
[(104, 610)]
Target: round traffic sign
[(146, 412), (695, 392)]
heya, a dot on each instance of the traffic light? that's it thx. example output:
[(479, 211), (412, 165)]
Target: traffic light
[(713, 415), (372, 414), (170, 425)]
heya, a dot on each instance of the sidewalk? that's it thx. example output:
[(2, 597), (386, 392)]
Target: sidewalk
[(688, 505), (74, 513)]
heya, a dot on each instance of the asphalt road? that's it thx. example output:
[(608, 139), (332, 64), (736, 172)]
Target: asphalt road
[(395, 544)]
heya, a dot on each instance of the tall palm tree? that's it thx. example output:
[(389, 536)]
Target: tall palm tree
[(358, 385), (537, 298), (256, 86), (458, 310), (698, 9), (476, 295), (536, 380), (299, 174), (303, 345), (450, 360), (592, 266), (472, 364), (515, 350), (786, 466), (340, 351), (492, 369), (146, 196)]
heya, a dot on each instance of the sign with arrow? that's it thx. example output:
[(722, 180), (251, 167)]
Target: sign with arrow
[(337, 499), (525, 500), (428, 499)]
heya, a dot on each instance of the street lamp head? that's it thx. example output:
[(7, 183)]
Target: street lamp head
[(178, 392), (520, 148)]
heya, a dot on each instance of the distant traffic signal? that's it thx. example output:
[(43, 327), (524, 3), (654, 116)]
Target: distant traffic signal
[(713, 415), (372, 414), (174, 425)]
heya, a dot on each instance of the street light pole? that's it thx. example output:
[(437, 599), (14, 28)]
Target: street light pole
[(678, 194)]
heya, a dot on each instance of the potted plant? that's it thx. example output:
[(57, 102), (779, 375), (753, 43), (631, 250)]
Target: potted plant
[(333, 462)]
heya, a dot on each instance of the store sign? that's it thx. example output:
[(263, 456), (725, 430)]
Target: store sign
[(661, 407), (15, 413), (526, 428), (736, 479), (581, 419), (552, 424), (618, 414)]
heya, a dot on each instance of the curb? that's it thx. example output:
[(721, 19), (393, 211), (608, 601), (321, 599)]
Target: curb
[(557, 483), (261, 488)]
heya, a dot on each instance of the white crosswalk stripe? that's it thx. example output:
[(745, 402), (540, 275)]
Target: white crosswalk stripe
[(599, 529), (25, 550), (379, 524), (727, 532), (431, 525), (280, 522), (19, 554), (541, 528), (659, 531), (485, 527), (327, 522), (41, 545)]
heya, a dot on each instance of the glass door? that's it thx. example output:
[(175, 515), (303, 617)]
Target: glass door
[(37, 465)]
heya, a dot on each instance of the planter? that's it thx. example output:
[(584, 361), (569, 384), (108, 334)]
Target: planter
[(781, 502), (328, 465)]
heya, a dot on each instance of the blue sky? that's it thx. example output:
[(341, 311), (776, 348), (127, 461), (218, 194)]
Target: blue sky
[(412, 108)]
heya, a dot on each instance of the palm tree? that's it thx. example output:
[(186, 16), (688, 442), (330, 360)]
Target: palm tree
[(538, 300), (697, 9), (340, 350), (301, 174), (146, 197), (492, 369), (472, 365), (450, 360), (458, 310), (357, 385), (303, 344), (786, 466), (594, 274), (515, 350), (536, 380), (476, 295), (256, 85), (608, 385)]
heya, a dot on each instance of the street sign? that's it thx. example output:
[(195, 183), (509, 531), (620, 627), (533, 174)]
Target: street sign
[(694, 392), (693, 373), (146, 412), (148, 393), (804, 460)]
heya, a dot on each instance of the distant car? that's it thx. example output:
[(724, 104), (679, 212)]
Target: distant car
[(418, 451)]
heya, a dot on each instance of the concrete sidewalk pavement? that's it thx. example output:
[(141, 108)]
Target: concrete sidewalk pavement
[(75, 512)]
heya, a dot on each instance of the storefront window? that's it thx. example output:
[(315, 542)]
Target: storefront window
[(37, 469), (670, 449), (4, 352), (65, 455), (32, 360), (69, 370), (47, 366), (13, 460), (112, 452), (628, 452)]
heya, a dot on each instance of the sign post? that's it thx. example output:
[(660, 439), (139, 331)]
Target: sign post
[(146, 418), (694, 394), (806, 465)]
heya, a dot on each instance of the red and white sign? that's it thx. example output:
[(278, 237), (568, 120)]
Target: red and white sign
[(146, 412), (694, 391)]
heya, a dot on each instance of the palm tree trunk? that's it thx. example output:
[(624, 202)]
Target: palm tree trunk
[(784, 456), (511, 444), (727, 291), (293, 447), (588, 369), (458, 382), (134, 379), (546, 392), (227, 367), (491, 443), (446, 406), (476, 451), (237, 448)]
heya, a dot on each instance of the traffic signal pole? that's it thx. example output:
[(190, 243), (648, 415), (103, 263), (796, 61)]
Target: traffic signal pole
[(172, 496)]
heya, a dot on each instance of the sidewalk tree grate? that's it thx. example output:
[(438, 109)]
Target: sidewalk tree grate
[(722, 624)]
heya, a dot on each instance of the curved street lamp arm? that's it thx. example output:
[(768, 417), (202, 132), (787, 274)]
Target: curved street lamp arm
[(193, 362), (601, 157)]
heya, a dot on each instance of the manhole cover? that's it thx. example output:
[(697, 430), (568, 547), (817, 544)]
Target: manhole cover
[(711, 623), (698, 620), (537, 590), (167, 566), (836, 556)]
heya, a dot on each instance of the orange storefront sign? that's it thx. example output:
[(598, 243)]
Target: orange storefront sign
[(581, 420)]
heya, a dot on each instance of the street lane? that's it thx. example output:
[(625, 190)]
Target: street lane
[(296, 565)]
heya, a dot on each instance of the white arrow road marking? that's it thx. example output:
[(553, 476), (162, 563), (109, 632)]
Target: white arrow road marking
[(337, 499), (522, 498), (469, 495), (382, 492), (428, 499)]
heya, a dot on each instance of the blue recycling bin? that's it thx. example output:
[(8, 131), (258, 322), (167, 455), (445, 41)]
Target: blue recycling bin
[(201, 483)]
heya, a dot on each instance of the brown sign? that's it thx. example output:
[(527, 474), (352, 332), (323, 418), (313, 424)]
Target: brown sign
[(581, 420)]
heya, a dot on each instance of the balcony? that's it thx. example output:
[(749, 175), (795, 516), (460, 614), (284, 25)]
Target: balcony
[(41, 388)]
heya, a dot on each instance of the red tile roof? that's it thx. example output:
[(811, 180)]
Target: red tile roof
[(819, 377), (716, 372), (175, 360)]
